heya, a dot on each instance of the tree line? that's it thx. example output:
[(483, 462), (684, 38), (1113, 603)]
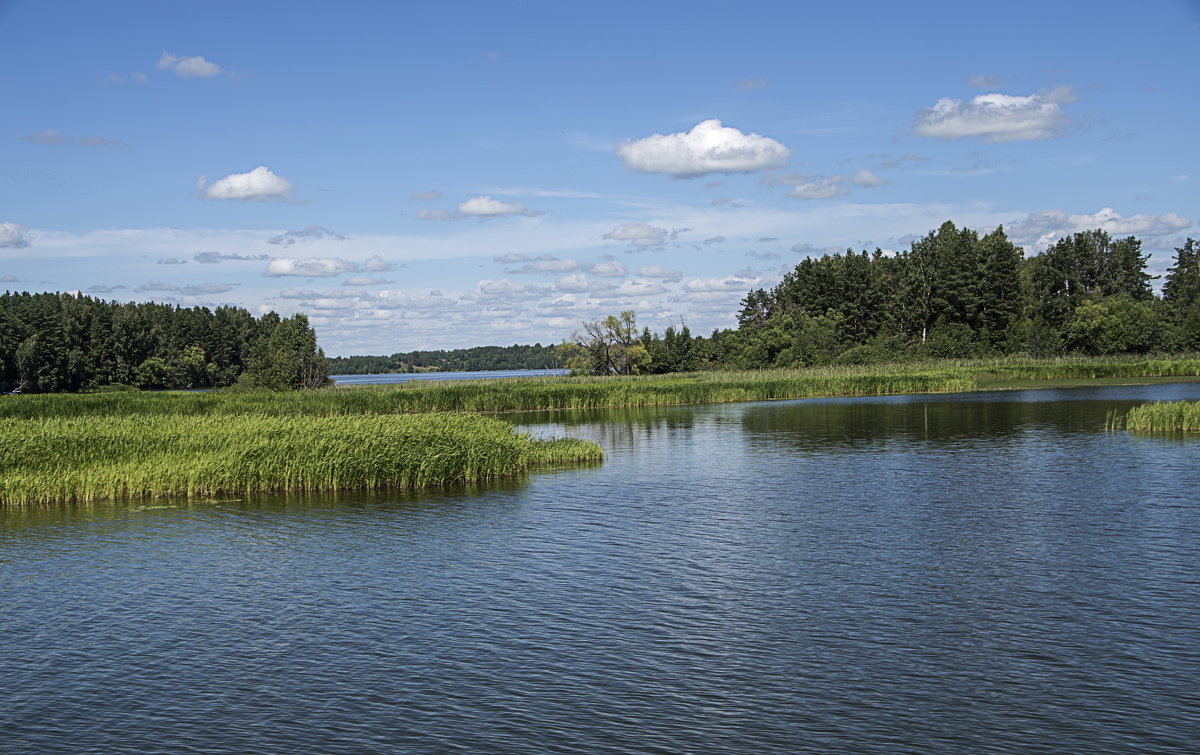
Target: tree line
[(954, 293), (515, 357), (53, 342)]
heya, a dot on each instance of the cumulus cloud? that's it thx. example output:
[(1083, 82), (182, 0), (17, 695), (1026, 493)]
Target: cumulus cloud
[(729, 284), (573, 284), (199, 289), (171, 261), (819, 187), (13, 236), (503, 288), (377, 264), (658, 271), (311, 233), (213, 258), (642, 235), (824, 187), (611, 269), (156, 286), (9, 279), (192, 67), (104, 289), (258, 185), (865, 179), (637, 288), (548, 263), (708, 148), (997, 117), (714, 240), (425, 196), (1039, 230), (315, 267), (361, 281), (487, 207)]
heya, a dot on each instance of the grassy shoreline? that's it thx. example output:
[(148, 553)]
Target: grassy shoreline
[(539, 394), (126, 445)]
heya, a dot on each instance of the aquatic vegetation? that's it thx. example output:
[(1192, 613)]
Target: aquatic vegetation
[(1165, 416), (553, 393), (89, 458)]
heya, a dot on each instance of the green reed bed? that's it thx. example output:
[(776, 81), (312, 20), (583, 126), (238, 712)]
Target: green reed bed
[(1164, 416), (82, 459), (605, 392)]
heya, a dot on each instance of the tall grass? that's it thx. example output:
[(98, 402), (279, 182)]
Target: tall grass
[(1165, 416), (604, 392), (83, 459)]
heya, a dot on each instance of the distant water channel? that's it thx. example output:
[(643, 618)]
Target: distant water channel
[(390, 378), (982, 573)]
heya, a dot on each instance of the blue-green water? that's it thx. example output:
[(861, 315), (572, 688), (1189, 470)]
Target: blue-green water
[(988, 573)]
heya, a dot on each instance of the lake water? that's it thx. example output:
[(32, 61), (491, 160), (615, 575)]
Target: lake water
[(390, 378), (984, 573)]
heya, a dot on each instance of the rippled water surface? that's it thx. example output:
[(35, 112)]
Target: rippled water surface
[(987, 573)]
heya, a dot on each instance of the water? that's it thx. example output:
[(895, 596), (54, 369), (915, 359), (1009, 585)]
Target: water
[(390, 378), (988, 573)]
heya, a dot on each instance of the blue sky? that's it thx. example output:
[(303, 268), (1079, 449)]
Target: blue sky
[(445, 175)]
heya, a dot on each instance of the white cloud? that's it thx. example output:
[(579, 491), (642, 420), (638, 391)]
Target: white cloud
[(866, 179), (638, 234), (208, 288), (728, 284), (316, 267), (503, 288), (610, 269), (377, 264), (548, 263), (362, 281), (487, 207), (213, 258), (258, 185), (192, 67), (172, 261), (638, 288), (156, 286), (573, 284), (819, 187), (311, 233), (1039, 230), (997, 117), (13, 236), (657, 271), (708, 148)]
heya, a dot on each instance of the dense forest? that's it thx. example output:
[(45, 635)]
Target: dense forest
[(515, 357), (953, 294), (51, 342)]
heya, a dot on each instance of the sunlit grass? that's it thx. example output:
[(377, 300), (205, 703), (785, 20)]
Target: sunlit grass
[(602, 392), (1164, 416), (83, 459)]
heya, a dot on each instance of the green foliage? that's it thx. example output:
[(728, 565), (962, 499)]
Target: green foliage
[(286, 357), (64, 342), (606, 347), (515, 357), (1117, 325)]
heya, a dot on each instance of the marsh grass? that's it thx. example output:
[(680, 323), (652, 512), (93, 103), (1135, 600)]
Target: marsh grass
[(554, 393), (84, 459), (1164, 416)]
